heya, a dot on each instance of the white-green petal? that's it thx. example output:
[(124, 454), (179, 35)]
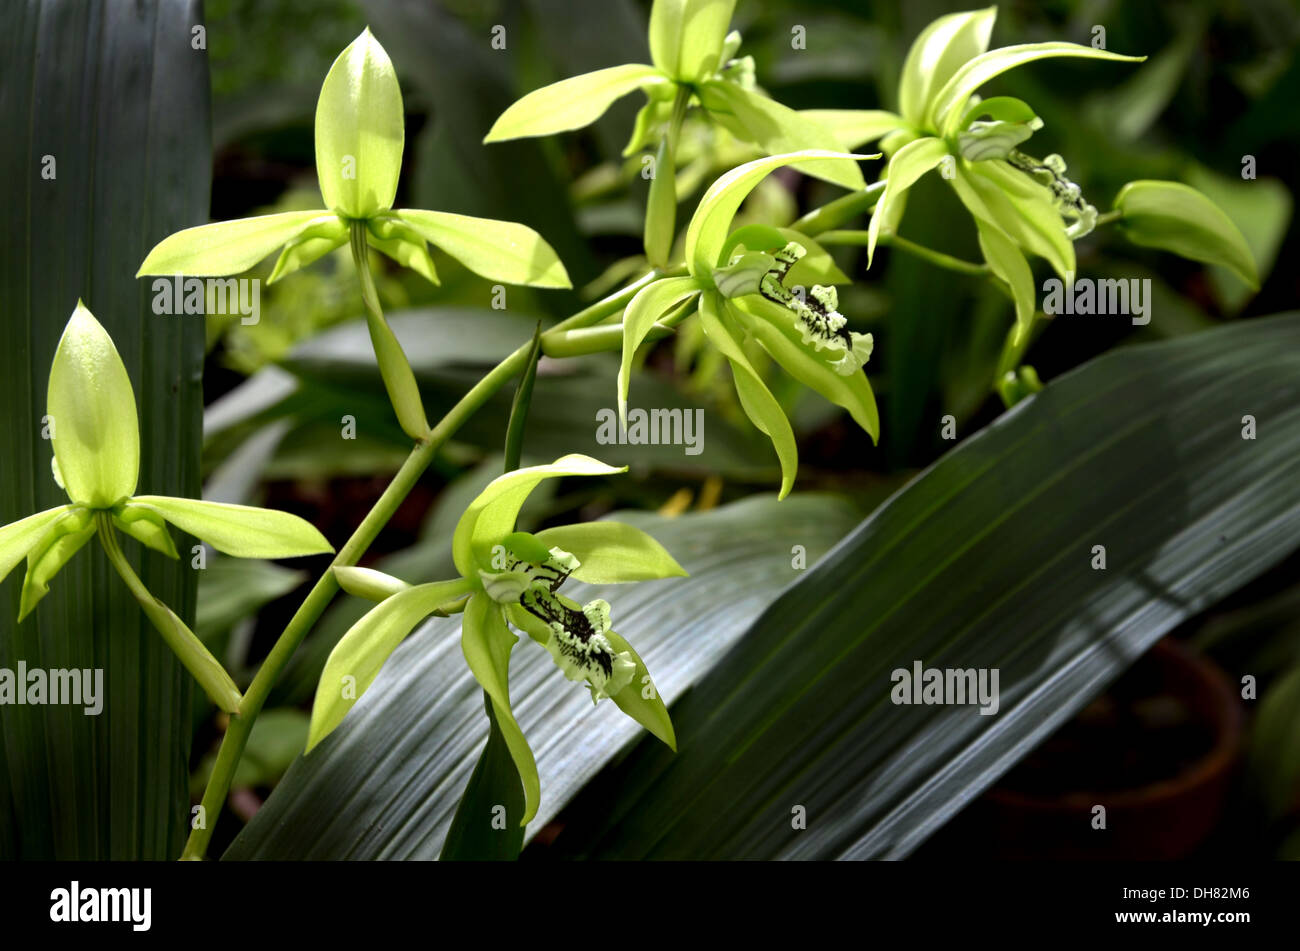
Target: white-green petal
[(706, 236), (91, 404), (63, 539), (947, 107), (854, 128), (503, 251), (572, 103), (650, 303), (244, 531), (908, 164), (357, 658), (686, 36), (1008, 263), (487, 642), (756, 399), (777, 129), (937, 53), (145, 526), (396, 239), (321, 236), (360, 131), (20, 537), (408, 254), (611, 552), (640, 699), (225, 247), (1019, 207), (657, 111), (773, 326), (491, 516)]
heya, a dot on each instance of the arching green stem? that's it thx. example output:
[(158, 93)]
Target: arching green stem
[(241, 725), (198, 660)]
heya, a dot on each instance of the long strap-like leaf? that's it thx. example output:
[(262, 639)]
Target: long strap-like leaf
[(386, 783), (105, 107), (792, 746)]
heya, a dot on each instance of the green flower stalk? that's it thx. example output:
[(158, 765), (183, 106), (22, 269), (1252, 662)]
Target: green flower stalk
[(96, 440), (747, 285), (511, 578), (360, 134), (694, 66)]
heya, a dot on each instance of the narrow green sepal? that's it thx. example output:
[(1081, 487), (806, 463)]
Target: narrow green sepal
[(91, 404), (63, 539), (145, 526), (321, 236), (360, 131)]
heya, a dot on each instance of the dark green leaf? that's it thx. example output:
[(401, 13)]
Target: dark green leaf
[(231, 589), (116, 97), (479, 831), (985, 561), (401, 758)]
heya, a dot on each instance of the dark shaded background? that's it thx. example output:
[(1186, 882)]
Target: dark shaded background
[(1221, 84)]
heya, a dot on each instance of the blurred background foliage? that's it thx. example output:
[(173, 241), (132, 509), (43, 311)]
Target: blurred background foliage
[(1220, 86)]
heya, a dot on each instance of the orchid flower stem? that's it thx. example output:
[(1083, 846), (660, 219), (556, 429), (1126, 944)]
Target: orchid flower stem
[(318, 599), (937, 258), (835, 213), (585, 340), (661, 204), (1108, 217), (507, 790), (398, 378), (207, 670), (1013, 352)]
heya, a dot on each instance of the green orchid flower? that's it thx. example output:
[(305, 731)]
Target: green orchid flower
[(360, 133), (96, 438), (747, 285), (694, 65), (511, 578), (1021, 204)]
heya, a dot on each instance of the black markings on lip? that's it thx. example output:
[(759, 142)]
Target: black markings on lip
[(1063, 190), (816, 316), (576, 640), (550, 575)]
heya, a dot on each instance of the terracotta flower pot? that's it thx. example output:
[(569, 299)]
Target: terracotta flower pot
[(1157, 751)]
